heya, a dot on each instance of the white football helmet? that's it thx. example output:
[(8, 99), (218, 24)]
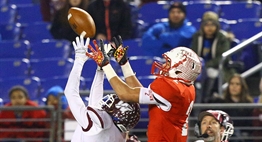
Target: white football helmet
[(181, 63)]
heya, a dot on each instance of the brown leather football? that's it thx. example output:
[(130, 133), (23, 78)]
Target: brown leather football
[(81, 22)]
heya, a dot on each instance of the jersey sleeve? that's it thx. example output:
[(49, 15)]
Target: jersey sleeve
[(86, 118), (96, 92), (151, 95)]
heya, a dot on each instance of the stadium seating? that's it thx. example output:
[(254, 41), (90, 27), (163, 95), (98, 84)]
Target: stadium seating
[(89, 69), (50, 49), (149, 12), (18, 2), (89, 81), (244, 29), (142, 65), (146, 80), (31, 84), (7, 14), (196, 10), (36, 31), (49, 68), (3, 2), (28, 13), (134, 47), (12, 68), (60, 81), (90, 66), (10, 31), (240, 10), (14, 49)]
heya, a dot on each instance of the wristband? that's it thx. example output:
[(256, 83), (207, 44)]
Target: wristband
[(127, 70), (109, 71)]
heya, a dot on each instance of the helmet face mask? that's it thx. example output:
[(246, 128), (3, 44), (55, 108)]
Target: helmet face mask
[(181, 63), (125, 115), (228, 131), (107, 101), (159, 68)]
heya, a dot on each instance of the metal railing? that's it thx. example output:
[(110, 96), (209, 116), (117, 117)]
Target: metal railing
[(141, 129), (50, 120), (231, 51), (247, 73), (227, 106), (60, 120)]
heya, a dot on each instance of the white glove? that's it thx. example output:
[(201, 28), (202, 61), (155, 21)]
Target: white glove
[(81, 48)]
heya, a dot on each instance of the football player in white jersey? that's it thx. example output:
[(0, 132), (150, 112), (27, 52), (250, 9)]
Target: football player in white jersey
[(214, 126), (105, 119)]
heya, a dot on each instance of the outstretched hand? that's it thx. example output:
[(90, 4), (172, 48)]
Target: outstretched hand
[(118, 51), (98, 54), (80, 47)]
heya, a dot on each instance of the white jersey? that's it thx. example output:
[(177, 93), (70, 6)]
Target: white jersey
[(94, 124)]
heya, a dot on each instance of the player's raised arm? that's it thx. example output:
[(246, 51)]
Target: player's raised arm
[(75, 102), (120, 55), (123, 91), (97, 88)]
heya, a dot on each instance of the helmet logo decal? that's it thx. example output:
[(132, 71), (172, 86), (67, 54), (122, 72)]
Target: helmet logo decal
[(123, 107)]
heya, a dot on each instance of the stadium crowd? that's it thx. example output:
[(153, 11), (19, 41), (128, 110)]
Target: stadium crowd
[(150, 28)]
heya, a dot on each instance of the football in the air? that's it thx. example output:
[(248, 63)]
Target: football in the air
[(81, 22)]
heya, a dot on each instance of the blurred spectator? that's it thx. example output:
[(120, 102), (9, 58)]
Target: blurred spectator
[(60, 28), (142, 2), (55, 98), (52, 99), (209, 43), (164, 36), (112, 18), (258, 114), (19, 97), (49, 8), (237, 92), (53, 95)]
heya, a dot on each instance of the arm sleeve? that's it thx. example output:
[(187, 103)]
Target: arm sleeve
[(84, 117), (96, 92), (147, 96)]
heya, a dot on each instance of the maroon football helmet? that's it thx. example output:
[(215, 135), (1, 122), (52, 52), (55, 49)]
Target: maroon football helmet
[(125, 115)]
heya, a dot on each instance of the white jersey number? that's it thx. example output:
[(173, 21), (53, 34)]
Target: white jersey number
[(185, 126)]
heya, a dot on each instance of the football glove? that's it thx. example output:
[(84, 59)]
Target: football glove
[(98, 54), (80, 47), (118, 51)]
